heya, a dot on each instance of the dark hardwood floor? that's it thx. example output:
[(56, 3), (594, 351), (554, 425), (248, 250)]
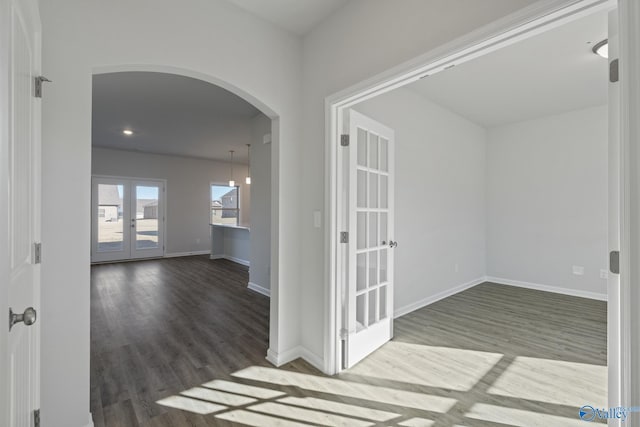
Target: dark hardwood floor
[(181, 342), (160, 327)]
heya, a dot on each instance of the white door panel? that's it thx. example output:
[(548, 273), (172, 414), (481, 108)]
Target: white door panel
[(22, 164), (368, 315)]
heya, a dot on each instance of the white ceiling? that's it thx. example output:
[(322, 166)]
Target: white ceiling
[(169, 114), (296, 16), (550, 73)]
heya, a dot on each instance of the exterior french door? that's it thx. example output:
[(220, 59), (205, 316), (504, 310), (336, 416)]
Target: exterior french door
[(128, 219), (369, 302)]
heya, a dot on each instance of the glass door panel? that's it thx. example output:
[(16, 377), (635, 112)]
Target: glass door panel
[(146, 219), (110, 221)]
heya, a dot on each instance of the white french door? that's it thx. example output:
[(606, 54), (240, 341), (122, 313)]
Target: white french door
[(128, 219), (20, 198), (369, 293)]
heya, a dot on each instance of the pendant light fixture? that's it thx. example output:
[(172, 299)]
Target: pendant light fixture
[(248, 178), (232, 183)]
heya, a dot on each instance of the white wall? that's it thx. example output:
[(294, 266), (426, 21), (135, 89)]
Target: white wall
[(363, 39), (547, 200), (260, 254), (439, 196), (210, 39), (188, 195)]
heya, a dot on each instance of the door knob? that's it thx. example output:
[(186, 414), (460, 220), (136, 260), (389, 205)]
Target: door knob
[(28, 317), (393, 244)]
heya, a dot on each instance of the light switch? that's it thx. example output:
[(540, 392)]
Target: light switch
[(317, 219)]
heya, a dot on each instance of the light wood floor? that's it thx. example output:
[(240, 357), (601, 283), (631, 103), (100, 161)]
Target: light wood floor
[(181, 342)]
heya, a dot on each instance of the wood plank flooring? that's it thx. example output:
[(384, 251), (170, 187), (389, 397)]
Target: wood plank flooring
[(181, 342)]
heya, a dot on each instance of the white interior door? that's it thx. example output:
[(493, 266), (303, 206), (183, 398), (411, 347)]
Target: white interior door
[(23, 168), (369, 311), (128, 219), (613, 282)]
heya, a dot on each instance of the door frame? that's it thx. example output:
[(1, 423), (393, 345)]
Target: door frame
[(164, 215), (529, 21)]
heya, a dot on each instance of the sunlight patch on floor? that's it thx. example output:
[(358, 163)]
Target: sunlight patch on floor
[(348, 389), (339, 408), (309, 415), (191, 405), (520, 417), (441, 367), (417, 422), (216, 396), (258, 420), (553, 381), (247, 390)]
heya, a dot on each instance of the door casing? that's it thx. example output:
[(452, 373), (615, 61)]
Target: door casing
[(526, 23)]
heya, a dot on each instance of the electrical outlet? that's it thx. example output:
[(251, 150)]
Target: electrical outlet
[(604, 274), (578, 270), (197, 241)]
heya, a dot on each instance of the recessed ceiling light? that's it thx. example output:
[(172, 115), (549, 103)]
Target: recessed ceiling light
[(128, 132), (602, 48)]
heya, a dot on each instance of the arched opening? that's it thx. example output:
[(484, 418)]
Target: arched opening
[(161, 143)]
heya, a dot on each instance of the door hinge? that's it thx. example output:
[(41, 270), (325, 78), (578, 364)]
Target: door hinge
[(344, 140), (38, 85), (37, 253), (36, 418), (614, 262), (344, 237), (613, 71)]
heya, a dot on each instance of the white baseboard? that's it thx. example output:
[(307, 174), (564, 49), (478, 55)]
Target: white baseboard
[(230, 258), (180, 254), (547, 288), (293, 354), (437, 297), (259, 289), (313, 359)]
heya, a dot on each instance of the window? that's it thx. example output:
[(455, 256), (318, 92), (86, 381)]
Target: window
[(224, 204)]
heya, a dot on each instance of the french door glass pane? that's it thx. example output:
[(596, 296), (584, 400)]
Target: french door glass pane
[(373, 190), (361, 271), (362, 147), (373, 268), (384, 253), (373, 230), (384, 192), (362, 189), (146, 216), (384, 155), (373, 307), (383, 302), (110, 222), (362, 230), (361, 302), (373, 151)]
